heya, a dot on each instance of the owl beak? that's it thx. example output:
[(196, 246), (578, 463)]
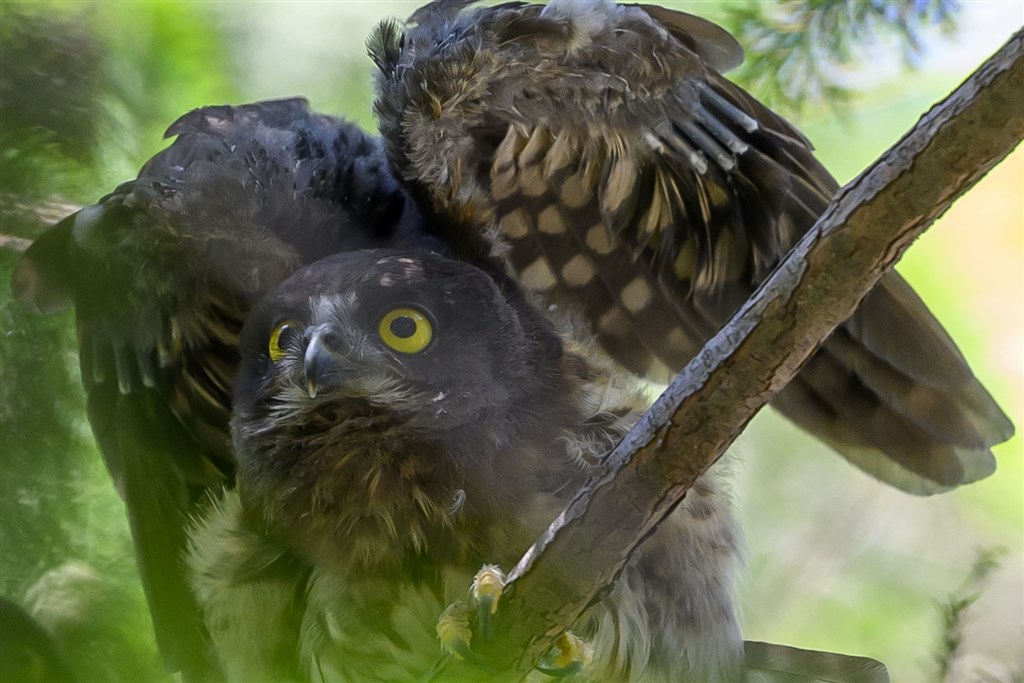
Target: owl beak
[(321, 361)]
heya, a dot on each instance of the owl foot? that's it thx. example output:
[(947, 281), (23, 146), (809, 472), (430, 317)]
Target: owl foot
[(569, 656), (454, 629), (455, 633), (460, 620)]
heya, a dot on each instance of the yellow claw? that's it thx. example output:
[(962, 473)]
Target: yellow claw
[(488, 585), (453, 630), (569, 655), (571, 649)]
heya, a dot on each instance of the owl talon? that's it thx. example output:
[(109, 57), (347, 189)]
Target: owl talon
[(453, 630), (564, 672), (455, 634), (569, 656), (486, 590)]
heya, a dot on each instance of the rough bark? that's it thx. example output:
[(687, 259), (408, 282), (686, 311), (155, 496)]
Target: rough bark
[(863, 233)]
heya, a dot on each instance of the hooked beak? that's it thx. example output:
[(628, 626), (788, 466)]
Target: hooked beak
[(321, 361)]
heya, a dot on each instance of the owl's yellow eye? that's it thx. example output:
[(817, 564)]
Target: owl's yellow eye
[(405, 330), (280, 338)]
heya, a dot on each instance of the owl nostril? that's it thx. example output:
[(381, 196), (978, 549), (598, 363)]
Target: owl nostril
[(332, 341)]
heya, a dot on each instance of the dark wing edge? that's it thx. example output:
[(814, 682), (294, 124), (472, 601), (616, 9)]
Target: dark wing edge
[(768, 662), (139, 387), (162, 272)]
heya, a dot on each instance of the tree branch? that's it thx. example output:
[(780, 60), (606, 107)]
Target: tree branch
[(23, 220), (818, 286)]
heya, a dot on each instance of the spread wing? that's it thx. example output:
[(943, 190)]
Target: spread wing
[(597, 148), (162, 272)]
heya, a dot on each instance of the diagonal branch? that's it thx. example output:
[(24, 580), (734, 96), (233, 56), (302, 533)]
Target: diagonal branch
[(819, 285)]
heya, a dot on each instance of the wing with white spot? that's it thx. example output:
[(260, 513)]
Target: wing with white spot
[(597, 148)]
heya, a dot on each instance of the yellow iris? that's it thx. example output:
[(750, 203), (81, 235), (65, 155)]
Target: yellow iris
[(405, 330), (276, 346)]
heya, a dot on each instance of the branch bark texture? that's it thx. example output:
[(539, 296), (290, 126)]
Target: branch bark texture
[(818, 286)]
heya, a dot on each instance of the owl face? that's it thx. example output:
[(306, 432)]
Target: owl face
[(429, 341), (377, 387)]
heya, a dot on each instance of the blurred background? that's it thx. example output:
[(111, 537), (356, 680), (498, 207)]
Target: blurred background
[(933, 587)]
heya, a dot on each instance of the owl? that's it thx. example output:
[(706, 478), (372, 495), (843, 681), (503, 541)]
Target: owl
[(589, 151), (400, 420)]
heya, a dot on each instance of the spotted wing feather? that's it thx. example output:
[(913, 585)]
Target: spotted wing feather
[(597, 149)]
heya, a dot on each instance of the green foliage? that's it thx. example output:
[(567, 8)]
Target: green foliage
[(49, 81), (794, 47), (955, 608), (57, 505), (41, 402), (164, 58)]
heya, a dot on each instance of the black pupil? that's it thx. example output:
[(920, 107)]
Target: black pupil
[(284, 335), (403, 327)]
